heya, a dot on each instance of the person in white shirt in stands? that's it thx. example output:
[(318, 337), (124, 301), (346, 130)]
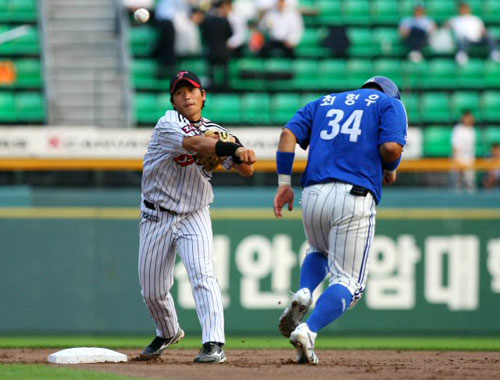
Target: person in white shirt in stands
[(284, 28), (463, 141), (238, 21), (470, 30)]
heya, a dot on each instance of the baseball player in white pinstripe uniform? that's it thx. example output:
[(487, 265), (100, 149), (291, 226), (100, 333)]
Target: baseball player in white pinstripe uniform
[(175, 217), (355, 141)]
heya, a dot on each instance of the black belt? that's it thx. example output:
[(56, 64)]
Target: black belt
[(359, 191), (152, 206)]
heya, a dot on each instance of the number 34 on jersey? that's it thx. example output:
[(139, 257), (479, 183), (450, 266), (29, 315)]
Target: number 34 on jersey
[(350, 126)]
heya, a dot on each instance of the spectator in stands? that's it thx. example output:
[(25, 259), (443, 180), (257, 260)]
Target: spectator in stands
[(216, 31), (415, 31), (165, 12), (239, 26), (470, 30), (463, 141), (492, 177), (284, 27)]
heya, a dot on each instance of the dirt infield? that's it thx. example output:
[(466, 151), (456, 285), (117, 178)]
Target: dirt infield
[(279, 364)]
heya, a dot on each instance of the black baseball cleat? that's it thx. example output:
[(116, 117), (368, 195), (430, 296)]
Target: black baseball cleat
[(211, 352), (158, 345)]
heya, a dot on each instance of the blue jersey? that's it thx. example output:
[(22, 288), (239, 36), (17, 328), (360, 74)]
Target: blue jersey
[(344, 132)]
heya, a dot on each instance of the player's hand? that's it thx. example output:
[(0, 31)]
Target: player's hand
[(389, 177), (284, 195), (246, 155)]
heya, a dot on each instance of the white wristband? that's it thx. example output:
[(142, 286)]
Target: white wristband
[(284, 179)]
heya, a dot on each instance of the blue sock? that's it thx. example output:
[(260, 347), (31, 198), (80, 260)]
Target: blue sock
[(314, 270), (334, 301)]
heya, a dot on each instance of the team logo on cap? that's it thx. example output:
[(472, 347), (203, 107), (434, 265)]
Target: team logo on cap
[(181, 74)]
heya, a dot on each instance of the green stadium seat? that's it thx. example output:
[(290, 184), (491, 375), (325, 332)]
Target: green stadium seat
[(23, 10), (386, 41), (388, 67), (329, 12), (441, 10), (406, 7), (27, 44), (490, 106), (163, 103), (410, 101), (144, 74), (247, 74), (197, 65), (494, 31), (305, 74), (279, 72), (142, 40), (491, 11), (437, 142), (465, 100), (4, 11), (333, 74), (491, 74), (361, 42), (435, 107), (307, 3), (146, 108), (310, 44), (7, 110), (30, 107), (413, 72), (482, 146), (256, 108), (385, 11), (440, 74), (225, 108), (471, 75), (358, 71), (356, 12), (29, 73), (492, 136), (284, 106), (308, 97), (476, 6)]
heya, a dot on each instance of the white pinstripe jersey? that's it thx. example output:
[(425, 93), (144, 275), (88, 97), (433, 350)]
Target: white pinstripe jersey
[(171, 177)]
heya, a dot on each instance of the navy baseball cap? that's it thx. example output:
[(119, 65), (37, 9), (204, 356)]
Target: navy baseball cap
[(386, 85), (184, 75)]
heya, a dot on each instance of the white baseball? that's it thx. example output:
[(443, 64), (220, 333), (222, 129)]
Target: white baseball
[(141, 15)]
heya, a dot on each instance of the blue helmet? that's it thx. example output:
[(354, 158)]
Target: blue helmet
[(387, 86)]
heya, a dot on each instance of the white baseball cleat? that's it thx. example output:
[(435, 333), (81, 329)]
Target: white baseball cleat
[(295, 311), (303, 340)]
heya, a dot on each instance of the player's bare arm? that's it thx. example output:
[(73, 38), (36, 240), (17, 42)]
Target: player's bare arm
[(390, 152), (285, 194), (207, 146), (245, 170)]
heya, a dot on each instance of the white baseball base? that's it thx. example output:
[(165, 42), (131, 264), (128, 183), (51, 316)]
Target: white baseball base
[(86, 355)]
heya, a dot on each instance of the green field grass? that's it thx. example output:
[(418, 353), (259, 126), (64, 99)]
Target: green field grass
[(43, 372), (274, 342)]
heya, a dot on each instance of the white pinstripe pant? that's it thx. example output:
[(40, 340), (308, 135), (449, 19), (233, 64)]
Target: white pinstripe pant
[(341, 226), (190, 235)]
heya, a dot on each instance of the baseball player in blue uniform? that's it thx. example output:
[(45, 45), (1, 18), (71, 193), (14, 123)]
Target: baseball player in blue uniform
[(355, 142), (175, 217)]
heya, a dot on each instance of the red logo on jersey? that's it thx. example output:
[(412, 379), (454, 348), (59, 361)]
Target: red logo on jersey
[(184, 159), (188, 128)]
